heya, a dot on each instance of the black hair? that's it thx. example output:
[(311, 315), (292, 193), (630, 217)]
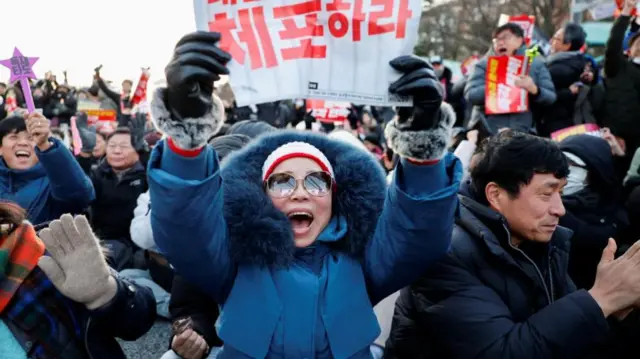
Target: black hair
[(574, 35), (2, 84), (511, 27), (511, 159), (13, 124), (128, 81), (121, 131)]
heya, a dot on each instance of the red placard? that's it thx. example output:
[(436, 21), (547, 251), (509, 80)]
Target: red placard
[(526, 22), (502, 95), (329, 111)]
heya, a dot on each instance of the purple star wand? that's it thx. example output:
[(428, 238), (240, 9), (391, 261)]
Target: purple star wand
[(21, 69)]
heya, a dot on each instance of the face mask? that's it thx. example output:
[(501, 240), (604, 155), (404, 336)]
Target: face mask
[(576, 181), (636, 60), (439, 71)]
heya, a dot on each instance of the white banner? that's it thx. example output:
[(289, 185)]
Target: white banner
[(326, 49)]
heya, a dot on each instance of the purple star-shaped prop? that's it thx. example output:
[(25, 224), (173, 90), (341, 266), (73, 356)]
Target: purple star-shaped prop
[(22, 69)]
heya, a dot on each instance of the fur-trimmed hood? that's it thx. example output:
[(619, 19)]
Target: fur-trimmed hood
[(260, 234)]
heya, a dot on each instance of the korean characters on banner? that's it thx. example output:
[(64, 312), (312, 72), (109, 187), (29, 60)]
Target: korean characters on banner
[(526, 22), (329, 111), (324, 49), (502, 95)]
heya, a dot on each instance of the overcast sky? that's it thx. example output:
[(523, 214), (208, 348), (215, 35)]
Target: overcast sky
[(78, 35)]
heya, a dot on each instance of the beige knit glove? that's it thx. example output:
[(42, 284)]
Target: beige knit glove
[(76, 265)]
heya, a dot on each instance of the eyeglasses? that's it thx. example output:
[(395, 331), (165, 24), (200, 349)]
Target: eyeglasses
[(505, 37), (282, 185)]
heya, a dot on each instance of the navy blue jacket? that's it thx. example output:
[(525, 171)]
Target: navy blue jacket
[(489, 300), (54, 186)]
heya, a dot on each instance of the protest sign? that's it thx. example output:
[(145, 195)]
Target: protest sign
[(329, 111), (140, 94), (325, 49), (105, 120), (526, 22), (502, 95), (587, 128), (21, 70)]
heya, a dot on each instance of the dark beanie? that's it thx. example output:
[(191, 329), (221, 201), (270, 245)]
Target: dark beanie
[(250, 128), (226, 144)]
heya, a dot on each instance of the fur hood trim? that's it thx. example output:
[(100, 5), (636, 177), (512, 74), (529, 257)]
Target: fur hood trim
[(261, 235)]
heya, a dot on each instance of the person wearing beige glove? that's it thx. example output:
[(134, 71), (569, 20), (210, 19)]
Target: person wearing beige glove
[(58, 282), (76, 265)]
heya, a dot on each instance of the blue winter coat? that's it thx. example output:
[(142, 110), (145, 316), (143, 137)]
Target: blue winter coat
[(220, 230), (54, 186)]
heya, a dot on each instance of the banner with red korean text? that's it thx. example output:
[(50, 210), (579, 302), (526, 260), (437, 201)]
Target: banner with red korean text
[(329, 111), (324, 49), (526, 22), (584, 129), (502, 95)]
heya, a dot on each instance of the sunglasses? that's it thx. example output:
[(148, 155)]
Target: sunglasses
[(282, 185)]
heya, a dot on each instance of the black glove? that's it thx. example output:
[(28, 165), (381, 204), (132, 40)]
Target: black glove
[(423, 131), (420, 82), (137, 126), (196, 64), (187, 110)]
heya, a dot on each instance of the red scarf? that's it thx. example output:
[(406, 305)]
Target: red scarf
[(20, 250)]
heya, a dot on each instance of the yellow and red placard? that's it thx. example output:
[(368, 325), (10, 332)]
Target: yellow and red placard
[(587, 128), (502, 95)]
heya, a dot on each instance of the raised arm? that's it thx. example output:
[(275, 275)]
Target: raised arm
[(184, 175), (70, 186), (415, 226)]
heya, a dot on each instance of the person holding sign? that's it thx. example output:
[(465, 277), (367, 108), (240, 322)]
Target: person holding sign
[(297, 235), (496, 80)]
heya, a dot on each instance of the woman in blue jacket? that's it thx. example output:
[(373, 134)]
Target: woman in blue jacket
[(297, 236)]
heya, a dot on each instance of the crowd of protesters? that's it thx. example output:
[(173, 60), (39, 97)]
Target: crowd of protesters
[(431, 231)]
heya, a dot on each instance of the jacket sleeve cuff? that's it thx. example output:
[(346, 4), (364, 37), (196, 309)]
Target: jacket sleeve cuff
[(423, 145)]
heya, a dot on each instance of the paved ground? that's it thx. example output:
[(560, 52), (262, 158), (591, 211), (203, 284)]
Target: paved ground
[(152, 345)]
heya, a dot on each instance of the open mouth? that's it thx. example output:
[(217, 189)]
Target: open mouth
[(502, 51), (300, 221), (22, 154)]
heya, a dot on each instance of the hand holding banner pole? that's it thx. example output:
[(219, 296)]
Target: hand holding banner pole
[(21, 69)]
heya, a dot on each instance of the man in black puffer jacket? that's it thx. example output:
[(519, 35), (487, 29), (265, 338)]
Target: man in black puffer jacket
[(565, 65), (503, 290)]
